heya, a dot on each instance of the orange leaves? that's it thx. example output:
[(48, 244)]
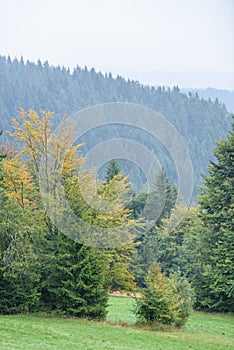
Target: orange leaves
[(34, 132), (18, 181), (72, 161)]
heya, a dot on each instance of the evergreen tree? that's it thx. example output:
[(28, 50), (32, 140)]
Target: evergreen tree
[(164, 300), (216, 291), (76, 284), (137, 204), (160, 202), (112, 170), (161, 199)]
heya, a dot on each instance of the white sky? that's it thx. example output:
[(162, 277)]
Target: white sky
[(169, 42)]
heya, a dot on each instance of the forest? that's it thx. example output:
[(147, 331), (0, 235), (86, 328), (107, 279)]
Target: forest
[(183, 262), (199, 122), (44, 269)]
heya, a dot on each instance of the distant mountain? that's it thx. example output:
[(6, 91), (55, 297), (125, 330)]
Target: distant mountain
[(224, 96), (200, 122)]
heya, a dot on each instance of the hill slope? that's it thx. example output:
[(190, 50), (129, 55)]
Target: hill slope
[(224, 96), (200, 123)]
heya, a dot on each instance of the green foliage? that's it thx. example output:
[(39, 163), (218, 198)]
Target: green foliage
[(40, 268), (161, 199), (186, 295), (112, 170), (164, 300), (114, 192), (152, 245), (137, 204), (216, 290), (18, 259), (76, 284), (176, 248), (91, 271), (120, 276), (19, 265)]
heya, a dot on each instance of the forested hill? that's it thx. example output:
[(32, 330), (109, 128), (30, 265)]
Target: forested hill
[(225, 96), (24, 84)]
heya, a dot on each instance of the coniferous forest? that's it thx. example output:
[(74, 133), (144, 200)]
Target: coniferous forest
[(199, 122), (42, 269)]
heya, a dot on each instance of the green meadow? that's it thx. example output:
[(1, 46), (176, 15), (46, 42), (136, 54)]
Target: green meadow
[(118, 332)]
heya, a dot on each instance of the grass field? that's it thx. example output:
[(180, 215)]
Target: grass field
[(202, 332)]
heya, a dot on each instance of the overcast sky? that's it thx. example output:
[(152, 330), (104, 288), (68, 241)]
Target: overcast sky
[(189, 43)]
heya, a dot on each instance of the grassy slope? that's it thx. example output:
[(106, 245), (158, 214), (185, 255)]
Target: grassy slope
[(203, 332)]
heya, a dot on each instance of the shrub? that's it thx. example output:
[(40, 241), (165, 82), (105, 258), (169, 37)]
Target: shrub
[(186, 296), (161, 301)]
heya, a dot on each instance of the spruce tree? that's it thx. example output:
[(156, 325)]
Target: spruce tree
[(164, 300), (76, 282), (112, 170), (161, 199), (216, 290)]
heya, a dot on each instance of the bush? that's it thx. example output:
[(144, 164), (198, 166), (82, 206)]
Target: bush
[(162, 300), (186, 296)]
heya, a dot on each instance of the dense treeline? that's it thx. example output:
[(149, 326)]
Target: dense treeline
[(30, 85), (41, 267), (185, 258), (224, 96)]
